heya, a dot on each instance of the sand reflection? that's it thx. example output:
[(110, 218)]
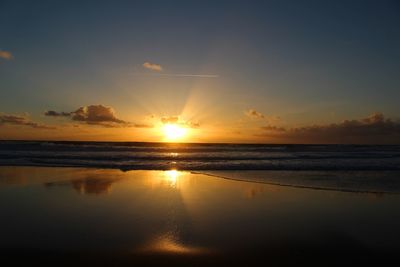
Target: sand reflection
[(174, 237), (182, 213), (172, 177), (87, 186)]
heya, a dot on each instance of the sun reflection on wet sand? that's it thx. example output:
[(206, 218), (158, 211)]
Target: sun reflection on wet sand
[(173, 236), (172, 177), (179, 214), (167, 244)]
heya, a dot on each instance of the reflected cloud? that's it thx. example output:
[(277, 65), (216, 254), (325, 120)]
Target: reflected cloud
[(88, 186), (92, 186), (253, 192)]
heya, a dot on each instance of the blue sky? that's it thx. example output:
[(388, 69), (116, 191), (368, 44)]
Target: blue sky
[(308, 62)]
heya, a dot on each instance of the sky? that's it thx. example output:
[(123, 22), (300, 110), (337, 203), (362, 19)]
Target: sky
[(227, 71)]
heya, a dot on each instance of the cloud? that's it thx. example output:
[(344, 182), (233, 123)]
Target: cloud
[(271, 128), (152, 66), (88, 185), (96, 115), (22, 121), (372, 129), (251, 113), (52, 113), (171, 119), (177, 120), (6, 55), (254, 114), (156, 68)]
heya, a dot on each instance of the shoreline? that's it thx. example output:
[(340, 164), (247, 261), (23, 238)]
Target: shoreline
[(223, 174)]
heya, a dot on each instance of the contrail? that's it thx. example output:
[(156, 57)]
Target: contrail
[(178, 75)]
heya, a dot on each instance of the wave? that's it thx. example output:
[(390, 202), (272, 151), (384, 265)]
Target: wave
[(162, 156)]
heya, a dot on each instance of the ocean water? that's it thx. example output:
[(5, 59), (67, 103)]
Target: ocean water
[(165, 156), (359, 168)]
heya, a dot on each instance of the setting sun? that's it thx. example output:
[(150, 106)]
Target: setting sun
[(174, 131)]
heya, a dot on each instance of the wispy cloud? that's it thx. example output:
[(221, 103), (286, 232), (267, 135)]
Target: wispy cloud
[(96, 115), (256, 115), (21, 120), (157, 69), (6, 55), (152, 66)]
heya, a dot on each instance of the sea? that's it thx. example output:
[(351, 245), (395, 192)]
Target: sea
[(347, 167)]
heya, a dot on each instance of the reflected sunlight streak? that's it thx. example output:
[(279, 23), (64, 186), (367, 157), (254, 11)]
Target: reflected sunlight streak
[(172, 177)]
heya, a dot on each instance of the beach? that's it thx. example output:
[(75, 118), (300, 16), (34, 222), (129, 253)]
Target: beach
[(199, 133), (90, 216)]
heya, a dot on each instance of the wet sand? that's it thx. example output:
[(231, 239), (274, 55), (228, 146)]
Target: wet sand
[(87, 217)]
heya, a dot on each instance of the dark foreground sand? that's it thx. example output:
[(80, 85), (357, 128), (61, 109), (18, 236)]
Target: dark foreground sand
[(92, 217)]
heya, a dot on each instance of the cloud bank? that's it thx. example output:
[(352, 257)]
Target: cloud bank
[(22, 121), (6, 55), (374, 129), (152, 66)]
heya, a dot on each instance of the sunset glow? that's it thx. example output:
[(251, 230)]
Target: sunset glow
[(174, 132), (200, 83), (180, 133)]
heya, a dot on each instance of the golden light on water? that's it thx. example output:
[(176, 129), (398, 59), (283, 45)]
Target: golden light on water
[(172, 177), (174, 132)]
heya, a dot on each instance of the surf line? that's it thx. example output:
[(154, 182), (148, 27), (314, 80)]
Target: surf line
[(344, 190)]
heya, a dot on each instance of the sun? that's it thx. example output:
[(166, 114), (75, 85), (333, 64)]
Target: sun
[(174, 132)]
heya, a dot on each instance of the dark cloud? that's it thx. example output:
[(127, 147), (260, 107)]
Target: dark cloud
[(96, 115), (373, 129), (53, 113), (21, 120)]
